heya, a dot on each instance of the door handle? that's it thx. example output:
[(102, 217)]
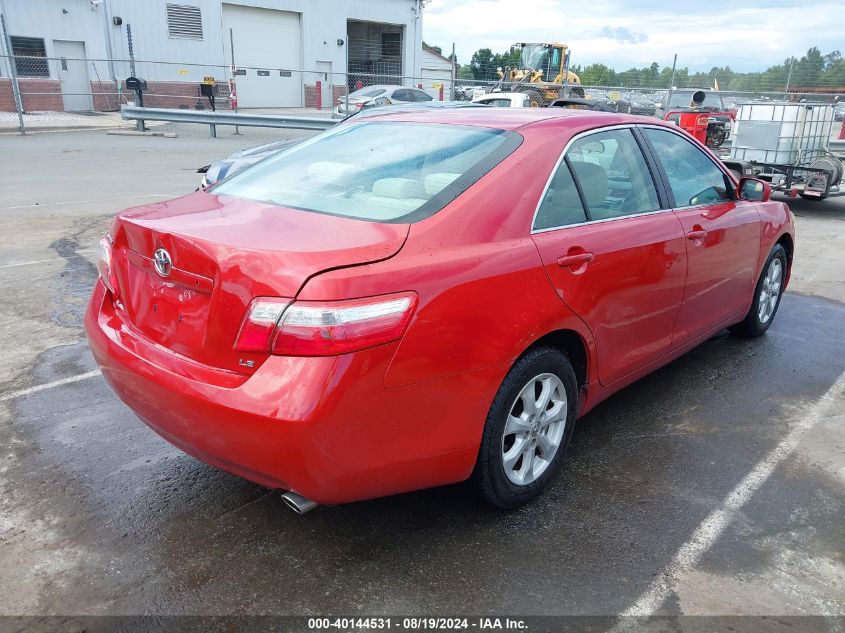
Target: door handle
[(569, 261), (697, 234)]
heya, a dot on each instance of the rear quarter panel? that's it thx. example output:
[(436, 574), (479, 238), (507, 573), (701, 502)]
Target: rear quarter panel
[(776, 221)]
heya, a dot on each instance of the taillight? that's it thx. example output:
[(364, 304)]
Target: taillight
[(260, 321), (325, 328), (104, 264)]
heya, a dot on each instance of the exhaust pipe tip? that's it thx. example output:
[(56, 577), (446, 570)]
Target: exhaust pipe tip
[(298, 503)]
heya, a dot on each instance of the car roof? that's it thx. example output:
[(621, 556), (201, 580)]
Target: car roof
[(510, 118)]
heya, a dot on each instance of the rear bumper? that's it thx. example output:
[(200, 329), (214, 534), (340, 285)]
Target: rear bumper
[(326, 428)]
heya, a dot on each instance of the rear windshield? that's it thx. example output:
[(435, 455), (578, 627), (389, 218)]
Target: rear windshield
[(368, 93), (377, 171)]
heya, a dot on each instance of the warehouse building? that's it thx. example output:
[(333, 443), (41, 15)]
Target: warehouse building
[(77, 51)]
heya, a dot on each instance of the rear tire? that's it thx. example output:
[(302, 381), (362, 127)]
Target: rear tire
[(523, 444), (767, 295)]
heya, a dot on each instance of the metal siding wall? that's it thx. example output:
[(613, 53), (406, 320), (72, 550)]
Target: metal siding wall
[(322, 21), (45, 19), (152, 42)]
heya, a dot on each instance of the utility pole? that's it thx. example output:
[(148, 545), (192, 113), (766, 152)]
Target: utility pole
[(672, 78), (789, 77)]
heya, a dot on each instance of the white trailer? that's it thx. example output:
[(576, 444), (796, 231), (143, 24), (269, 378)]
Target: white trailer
[(786, 144)]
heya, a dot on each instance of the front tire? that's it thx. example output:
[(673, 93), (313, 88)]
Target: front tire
[(528, 428), (767, 295)]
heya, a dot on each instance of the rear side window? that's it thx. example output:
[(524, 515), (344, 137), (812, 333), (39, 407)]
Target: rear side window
[(379, 171), (499, 103), (561, 206), (693, 178), (613, 175)]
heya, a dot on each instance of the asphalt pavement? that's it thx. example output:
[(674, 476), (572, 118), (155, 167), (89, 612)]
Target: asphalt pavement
[(715, 486)]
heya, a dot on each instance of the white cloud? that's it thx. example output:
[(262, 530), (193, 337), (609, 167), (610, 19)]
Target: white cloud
[(747, 36)]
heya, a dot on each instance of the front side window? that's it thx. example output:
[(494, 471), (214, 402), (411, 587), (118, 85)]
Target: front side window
[(693, 178), (379, 171), (613, 175)]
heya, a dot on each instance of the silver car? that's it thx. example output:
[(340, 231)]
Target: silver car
[(371, 96)]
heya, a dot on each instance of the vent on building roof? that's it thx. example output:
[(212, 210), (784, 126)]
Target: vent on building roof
[(184, 20)]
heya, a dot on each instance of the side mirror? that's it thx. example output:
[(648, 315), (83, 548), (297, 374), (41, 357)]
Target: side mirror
[(754, 190)]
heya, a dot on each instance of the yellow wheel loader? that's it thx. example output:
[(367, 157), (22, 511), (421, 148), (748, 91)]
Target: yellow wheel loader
[(542, 74)]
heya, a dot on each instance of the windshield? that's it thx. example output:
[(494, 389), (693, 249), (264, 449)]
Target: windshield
[(379, 171), (543, 58), (683, 100)]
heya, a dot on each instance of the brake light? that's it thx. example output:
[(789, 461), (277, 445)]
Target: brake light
[(104, 264), (324, 328), (258, 326)]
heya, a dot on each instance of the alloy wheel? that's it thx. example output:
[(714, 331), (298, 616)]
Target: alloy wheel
[(534, 429), (770, 290)]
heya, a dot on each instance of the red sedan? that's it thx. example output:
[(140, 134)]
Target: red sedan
[(422, 297)]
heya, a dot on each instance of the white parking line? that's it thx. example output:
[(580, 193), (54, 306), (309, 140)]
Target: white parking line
[(709, 531), (48, 385)]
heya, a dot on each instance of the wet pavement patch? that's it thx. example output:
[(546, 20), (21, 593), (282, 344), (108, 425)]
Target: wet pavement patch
[(143, 528)]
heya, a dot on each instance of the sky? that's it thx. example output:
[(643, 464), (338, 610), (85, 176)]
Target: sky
[(746, 35)]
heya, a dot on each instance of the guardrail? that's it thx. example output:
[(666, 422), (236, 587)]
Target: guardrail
[(213, 119), (837, 147)]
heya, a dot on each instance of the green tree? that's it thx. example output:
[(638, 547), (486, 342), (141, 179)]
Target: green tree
[(435, 49), (482, 65), (812, 70)]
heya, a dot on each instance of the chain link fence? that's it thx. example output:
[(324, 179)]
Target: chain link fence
[(38, 92)]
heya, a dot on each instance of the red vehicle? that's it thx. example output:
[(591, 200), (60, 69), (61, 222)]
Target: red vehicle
[(423, 297), (707, 125)]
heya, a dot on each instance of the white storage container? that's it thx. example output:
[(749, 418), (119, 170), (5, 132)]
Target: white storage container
[(782, 133)]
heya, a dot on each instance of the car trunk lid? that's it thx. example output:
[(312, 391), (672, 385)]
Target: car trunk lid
[(218, 253)]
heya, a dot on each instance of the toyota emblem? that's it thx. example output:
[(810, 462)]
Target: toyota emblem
[(162, 262)]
